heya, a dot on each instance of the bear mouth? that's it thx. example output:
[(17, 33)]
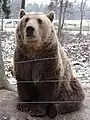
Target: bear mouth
[(30, 36), (31, 39)]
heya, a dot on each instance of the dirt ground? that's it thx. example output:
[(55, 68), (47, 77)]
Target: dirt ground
[(8, 109)]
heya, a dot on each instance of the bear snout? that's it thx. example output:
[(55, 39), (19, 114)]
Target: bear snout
[(30, 31)]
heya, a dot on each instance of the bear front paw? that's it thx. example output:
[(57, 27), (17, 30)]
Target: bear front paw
[(37, 112), (52, 111), (22, 107)]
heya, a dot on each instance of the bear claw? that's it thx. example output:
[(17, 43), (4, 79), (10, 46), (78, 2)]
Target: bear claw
[(22, 107), (37, 113)]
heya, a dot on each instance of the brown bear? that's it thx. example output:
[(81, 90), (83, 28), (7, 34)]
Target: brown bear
[(45, 81)]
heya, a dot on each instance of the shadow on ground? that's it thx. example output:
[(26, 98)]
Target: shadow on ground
[(8, 109)]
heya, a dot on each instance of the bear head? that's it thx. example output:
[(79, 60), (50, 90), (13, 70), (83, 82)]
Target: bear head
[(35, 28)]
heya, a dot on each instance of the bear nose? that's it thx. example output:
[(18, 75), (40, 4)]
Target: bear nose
[(30, 30)]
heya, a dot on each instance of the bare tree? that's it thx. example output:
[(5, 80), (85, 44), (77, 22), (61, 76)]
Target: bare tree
[(4, 83), (51, 6), (4, 10), (64, 13), (62, 7), (82, 7), (23, 4), (60, 18)]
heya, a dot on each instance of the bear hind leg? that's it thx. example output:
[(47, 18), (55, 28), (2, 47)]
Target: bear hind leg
[(70, 100)]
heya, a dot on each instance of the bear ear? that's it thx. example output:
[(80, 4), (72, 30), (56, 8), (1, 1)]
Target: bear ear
[(22, 13), (51, 16)]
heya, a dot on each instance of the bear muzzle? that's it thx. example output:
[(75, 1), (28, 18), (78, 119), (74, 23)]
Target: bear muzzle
[(30, 31)]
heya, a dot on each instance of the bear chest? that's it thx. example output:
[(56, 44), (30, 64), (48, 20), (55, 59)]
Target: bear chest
[(33, 71), (37, 71)]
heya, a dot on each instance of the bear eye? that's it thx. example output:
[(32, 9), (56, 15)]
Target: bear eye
[(27, 19), (40, 21)]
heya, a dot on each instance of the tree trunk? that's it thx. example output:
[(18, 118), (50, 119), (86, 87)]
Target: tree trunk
[(2, 24), (64, 13), (82, 7), (81, 11), (81, 23), (60, 18), (22, 4), (4, 83), (2, 14)]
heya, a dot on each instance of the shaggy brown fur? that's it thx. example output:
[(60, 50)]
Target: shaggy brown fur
[(32, 67)]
